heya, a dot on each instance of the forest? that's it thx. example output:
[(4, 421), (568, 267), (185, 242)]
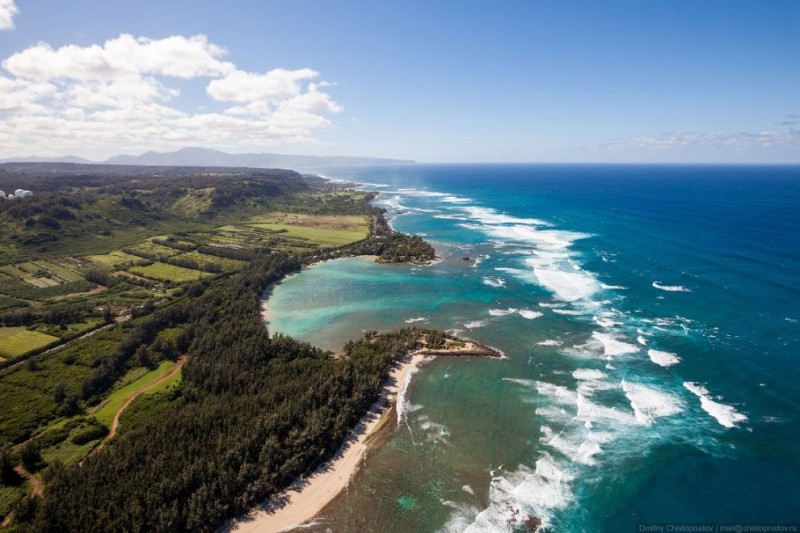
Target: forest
[(248, 414)]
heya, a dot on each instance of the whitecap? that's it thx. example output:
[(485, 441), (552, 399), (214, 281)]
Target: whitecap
[(726, 415), (670, 288), (456, 200), (418, 319), (613, 347), (502, 312), (475, 324), (613, 287), (568, 312), (524, 493), (450, 217), (641, 340), (588, 373), (649, 403), (549, 342), (490, 216), (494, 282), (664, 359), (530, 315)]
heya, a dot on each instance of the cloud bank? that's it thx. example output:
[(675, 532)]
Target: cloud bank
[(126, 95), (718, 146), (7, 11)]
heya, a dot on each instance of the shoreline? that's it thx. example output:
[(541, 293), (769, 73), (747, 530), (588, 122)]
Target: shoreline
[(307, 497)]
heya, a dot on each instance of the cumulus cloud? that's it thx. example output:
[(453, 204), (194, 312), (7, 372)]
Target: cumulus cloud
[(241, 86), (124, 95), (7, 11)]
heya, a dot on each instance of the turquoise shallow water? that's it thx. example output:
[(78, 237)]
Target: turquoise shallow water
[(649, 318)]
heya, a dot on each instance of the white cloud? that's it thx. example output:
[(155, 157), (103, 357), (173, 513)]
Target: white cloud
[(7, 11), (241, 86), (122, 96), (176, 56)]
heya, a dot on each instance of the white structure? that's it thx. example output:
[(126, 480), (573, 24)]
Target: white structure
[(25, 194), (2, 194)]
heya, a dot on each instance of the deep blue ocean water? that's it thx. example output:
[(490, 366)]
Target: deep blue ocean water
[(649, 315)]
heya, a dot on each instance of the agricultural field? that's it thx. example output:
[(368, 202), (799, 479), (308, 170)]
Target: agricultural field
[(320, 230), (17, 341), (113, 260), (227, 265), (167, 272)]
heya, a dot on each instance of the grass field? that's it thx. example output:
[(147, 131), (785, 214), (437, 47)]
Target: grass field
[(150, 247), (323, 230), (17, 341), (113, 259), (227, 265), (105, 415), (165, 272)]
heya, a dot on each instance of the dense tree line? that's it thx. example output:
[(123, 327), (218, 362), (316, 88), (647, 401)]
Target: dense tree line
[(392, 246), (55, 314), (254, 414)]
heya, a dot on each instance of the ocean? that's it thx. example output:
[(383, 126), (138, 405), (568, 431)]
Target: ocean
[(649, 319)]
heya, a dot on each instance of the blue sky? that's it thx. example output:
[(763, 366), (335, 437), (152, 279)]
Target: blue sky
[(431, 81)]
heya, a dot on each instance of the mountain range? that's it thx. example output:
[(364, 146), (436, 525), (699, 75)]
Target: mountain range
[(206, 157)]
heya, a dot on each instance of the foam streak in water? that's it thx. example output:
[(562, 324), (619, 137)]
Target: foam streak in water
[(726, 415)]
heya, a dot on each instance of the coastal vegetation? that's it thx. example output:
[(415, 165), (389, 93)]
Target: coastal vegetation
[(138, 270)]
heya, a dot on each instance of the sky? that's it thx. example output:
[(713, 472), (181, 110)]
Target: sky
[(442, 81)]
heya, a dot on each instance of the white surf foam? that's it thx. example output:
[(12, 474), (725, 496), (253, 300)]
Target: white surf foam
[(670, 288), (524, 493), (492, 217), (664, 359), (412, 320), (530, 315), (551, 305), (568, 312), (456, 200), (494, 282), (588, 373), (549, 342), (403, 406), (649, 403), (726, 415), (641, 340), (502, 312), (450, 217), (568, 286), (613, 347), (475, 324)]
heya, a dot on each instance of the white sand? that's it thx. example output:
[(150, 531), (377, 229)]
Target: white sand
[(306, 498)]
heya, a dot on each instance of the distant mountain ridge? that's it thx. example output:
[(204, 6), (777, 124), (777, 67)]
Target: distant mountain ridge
[(205, 157)]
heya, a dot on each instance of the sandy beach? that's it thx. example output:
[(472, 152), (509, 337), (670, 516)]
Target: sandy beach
[(306, 498)]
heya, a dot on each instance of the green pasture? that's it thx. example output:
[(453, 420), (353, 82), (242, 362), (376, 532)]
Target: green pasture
[(17, 341), (165, 272)]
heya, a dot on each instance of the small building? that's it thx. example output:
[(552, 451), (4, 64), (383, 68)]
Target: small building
[(2, 194), (22, 193)]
